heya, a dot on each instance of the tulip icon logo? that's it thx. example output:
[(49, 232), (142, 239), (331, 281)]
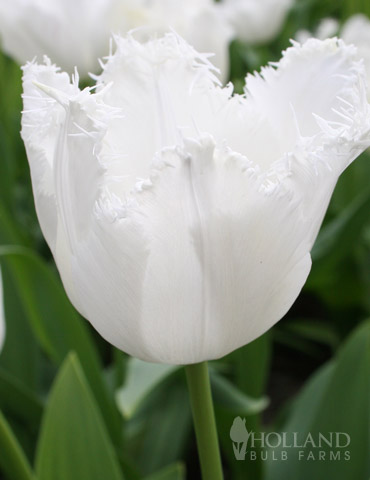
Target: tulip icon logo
[(239, 436)]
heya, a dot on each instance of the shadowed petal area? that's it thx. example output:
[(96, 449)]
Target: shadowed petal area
[(195, 261), (107, 272), (211, 263)]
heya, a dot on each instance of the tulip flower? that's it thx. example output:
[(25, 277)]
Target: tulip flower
[(327, 27), (180, 216), (76, 33), (71, 33), (355, 30), (256, 21)]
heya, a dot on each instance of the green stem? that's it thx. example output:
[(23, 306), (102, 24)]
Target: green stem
[(204, 420)]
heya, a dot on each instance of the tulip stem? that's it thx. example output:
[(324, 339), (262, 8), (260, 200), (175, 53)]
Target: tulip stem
[(204, 420)]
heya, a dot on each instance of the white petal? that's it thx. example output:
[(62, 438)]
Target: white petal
[(312, 104), (213, 281), (71, 33), (62, 130), (210, 247), (210, 33), (319, 119), (158, 87), (256, 21), (76, 33), (196, 263), (107, 277), (356, 30), (42, 119), (201, 23), (327, 27)]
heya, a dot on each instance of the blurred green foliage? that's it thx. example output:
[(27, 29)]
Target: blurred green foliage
[(73, 407)]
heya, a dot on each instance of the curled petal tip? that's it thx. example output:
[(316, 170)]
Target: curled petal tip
[(57, 95)]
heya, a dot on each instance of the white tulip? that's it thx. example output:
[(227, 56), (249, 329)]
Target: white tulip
[(355, 31), (327, 27), (70, 32), (76, 33), (181, 217), (200, 22), (256, 21)]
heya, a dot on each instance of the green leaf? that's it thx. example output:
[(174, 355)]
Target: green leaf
[(141, 379), (19, 401), (229, 397), (10, 108), (337, 256), (56, 324), (351, 183), (305, 407), (153, 400), (172, 472), (338, 237), (250, 366), (307, 336), (9, 232), (20, 354), (231, 402), (53, 319), (252, 381), (74, 443), (13, 461), (161, 426), (302, 415), (337, 399), (312, 330)]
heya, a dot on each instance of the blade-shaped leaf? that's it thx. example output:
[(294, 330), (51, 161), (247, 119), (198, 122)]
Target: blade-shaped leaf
[(165, 426), (10, 108), (336, 400), (2, 313), (172, 472), (231, 402), (230, 398), (256, 353), (20, 353), (55, 322), (337, 237), (13, 461), (74, 443), (18, 400), (9, 232), (141, 379)]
